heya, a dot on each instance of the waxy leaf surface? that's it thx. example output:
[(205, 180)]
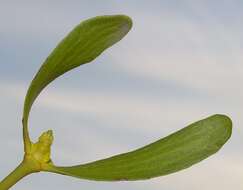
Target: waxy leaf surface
[(175, 152), (87, 41)]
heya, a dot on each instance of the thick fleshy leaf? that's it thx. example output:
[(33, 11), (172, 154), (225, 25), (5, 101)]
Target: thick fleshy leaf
[(175, 152), (82, 45)]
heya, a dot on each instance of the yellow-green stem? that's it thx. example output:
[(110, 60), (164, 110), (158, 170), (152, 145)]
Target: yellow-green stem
[(36, 159), (26, 137), (21, 171)]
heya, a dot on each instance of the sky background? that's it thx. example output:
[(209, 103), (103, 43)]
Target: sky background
[(181, 62)]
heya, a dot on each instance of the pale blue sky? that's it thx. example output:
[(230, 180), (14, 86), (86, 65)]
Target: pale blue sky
[(181, 62)]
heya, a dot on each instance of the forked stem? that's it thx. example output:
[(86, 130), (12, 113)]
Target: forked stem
[(35, 160)]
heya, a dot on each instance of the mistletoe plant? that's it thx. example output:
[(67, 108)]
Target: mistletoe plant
[(175, 152)]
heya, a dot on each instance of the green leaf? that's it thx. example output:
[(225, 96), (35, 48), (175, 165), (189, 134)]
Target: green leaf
[(175, 152), (82, 45)]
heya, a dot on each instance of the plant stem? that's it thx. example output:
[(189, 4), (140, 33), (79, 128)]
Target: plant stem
[(21, 171), (36, 159)]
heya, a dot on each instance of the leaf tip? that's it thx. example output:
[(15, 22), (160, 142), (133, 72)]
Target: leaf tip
[(125, 23), (224, 119), (127, 20), (225, 123)]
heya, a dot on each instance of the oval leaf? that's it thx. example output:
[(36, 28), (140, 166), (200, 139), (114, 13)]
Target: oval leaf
[(87, 41), (175, 152)]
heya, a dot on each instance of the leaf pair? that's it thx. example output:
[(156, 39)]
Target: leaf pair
[(173, 153)]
